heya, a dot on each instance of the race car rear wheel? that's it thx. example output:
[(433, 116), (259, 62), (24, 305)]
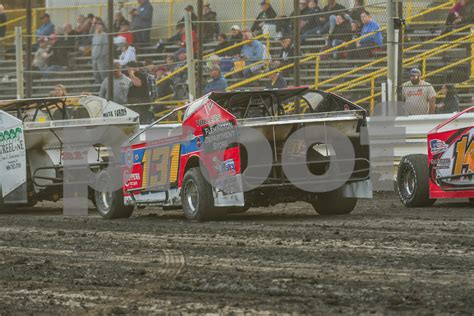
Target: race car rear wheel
[(333, 203), (110, 205), (196, 196), (413, 181)]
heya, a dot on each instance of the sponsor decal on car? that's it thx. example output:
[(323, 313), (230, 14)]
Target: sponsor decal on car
[(437, 146)]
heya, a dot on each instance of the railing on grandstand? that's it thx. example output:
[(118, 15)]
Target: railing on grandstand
[(421, 58), (317, 56)]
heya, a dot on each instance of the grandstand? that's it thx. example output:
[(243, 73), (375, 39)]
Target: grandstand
[(444, 58)]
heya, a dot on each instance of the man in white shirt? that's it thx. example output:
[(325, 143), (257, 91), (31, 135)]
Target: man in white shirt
[(128, 53), (419, 95)]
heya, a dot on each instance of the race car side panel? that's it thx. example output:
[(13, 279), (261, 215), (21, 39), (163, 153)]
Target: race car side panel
[(451, 163)]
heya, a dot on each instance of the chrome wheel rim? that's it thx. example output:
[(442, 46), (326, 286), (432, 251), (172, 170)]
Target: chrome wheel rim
[(191, 195), (409, 182)]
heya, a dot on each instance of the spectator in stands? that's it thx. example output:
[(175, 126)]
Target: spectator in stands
[(164, 88), (58, 91), (139, 92), (303, 20), (367, 44), (121, 86), (222, 43), (41, 55), (284, 27), (210, 28), (46, 28), (194, 17), (356, 11), (149, 69), (218, 82), (263, 23), (83, 27), (125, 33), (58, 52), (3, 31), (170, 62), (69, 39), (287, 53), (99, 53), (235, 38), (253, 52), (329, 18), (356, 28), (182, 41), (462, 13), (342, 33), (450, 102), (314, 24), (419, 95), (128, 53), (276, 81), (119, 20), (142, 19)]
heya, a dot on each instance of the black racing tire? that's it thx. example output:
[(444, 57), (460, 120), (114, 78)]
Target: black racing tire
[(413, 184), (196, 197), (110, 205), (333, 203)]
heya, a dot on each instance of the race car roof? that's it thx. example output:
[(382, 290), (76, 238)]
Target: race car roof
[(282, 94), (12, 105)]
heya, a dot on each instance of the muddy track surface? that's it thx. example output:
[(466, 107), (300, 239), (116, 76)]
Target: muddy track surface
[(382, 258)]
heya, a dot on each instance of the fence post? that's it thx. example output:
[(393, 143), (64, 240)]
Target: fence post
[(190, 57), (200, 36), (29, 17), (20, 92), (391, 52), (297, 39), (472, 52), (170, 18), (110, 40), (244, 13), (34, 23)]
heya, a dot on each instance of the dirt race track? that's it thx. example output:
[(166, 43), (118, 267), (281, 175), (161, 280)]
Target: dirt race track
[(380, 259)]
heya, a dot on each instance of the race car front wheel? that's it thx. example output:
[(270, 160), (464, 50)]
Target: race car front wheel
[(333, 203), (196, 196), (110, 205), (413, 181)]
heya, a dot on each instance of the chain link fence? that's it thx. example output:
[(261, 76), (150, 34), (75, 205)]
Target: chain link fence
[(253, 44)]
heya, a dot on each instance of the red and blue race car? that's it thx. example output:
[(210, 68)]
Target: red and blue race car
[(236, 150), (446, 172)]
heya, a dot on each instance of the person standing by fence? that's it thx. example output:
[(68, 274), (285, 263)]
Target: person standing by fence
[(99, 53)]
